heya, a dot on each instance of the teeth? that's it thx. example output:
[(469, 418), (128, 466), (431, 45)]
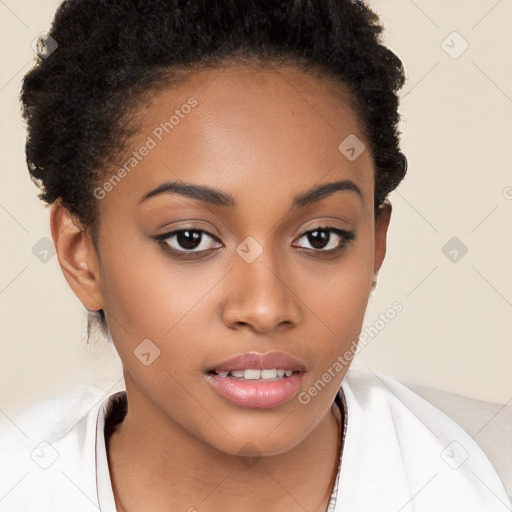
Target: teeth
[(253, 374), (269, 374)]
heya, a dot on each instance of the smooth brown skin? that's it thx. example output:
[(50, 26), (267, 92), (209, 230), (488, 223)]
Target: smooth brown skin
[(262, 136)]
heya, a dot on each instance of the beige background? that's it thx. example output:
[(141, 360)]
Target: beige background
[(454, 332)]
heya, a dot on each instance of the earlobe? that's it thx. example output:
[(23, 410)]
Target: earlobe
[(77, 256)]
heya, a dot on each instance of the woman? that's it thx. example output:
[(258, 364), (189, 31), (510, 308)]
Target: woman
[(217, 174)]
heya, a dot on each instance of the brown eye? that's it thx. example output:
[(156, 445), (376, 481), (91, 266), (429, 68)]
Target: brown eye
[(188, 240), (326, 238)]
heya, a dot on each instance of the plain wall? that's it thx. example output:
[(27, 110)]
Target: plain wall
[(454, 331)]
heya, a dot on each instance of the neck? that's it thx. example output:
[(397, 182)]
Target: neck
[(165, 467)]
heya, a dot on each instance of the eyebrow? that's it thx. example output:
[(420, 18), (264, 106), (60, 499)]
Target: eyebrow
[(218, 198)]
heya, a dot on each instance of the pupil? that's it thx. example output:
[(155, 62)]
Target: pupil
[(318, 238), (188, 239)]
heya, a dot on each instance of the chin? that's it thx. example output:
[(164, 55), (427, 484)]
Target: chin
[(274, 436)]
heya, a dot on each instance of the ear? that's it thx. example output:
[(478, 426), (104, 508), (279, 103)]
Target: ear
[(77, 256), (381, 229)]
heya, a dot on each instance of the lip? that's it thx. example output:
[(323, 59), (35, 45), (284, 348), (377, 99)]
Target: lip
[(258, 394), (257, 361)]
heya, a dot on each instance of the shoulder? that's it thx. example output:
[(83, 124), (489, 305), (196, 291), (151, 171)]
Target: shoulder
[(430, 462), (47, 453)]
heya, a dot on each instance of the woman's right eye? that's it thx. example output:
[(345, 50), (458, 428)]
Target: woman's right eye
[(187, 240)]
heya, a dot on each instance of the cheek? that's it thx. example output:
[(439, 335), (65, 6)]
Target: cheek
[(147, 296), (146, 292), (338, 294)]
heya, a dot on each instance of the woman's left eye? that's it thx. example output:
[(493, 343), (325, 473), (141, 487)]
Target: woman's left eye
[(321, 240)]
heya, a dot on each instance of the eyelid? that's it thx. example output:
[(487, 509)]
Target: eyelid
[(346, 235), (174, 231)]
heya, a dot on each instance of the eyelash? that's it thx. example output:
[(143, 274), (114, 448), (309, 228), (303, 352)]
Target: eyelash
[(346, 238)]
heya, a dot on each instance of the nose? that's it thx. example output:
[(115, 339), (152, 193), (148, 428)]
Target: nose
[(260, 294)]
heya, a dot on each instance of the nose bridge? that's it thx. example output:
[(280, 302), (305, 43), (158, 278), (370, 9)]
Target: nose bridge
[(259, 293)]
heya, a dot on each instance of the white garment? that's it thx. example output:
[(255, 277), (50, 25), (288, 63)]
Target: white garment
[(400, 454)]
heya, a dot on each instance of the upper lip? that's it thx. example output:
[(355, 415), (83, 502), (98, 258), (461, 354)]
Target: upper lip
[(256, 361)]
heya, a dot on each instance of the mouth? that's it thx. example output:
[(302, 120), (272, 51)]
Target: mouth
[(264, 375), (257, 380), (266, 364)]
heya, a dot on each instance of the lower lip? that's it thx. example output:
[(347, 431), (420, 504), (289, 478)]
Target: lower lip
[(257, 394)]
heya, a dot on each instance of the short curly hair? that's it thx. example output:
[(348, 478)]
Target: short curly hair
[(78, 101)]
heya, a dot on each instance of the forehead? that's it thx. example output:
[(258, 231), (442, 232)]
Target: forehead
[(242, 129)]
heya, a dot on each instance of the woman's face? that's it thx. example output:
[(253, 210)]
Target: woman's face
[(243, 275)]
